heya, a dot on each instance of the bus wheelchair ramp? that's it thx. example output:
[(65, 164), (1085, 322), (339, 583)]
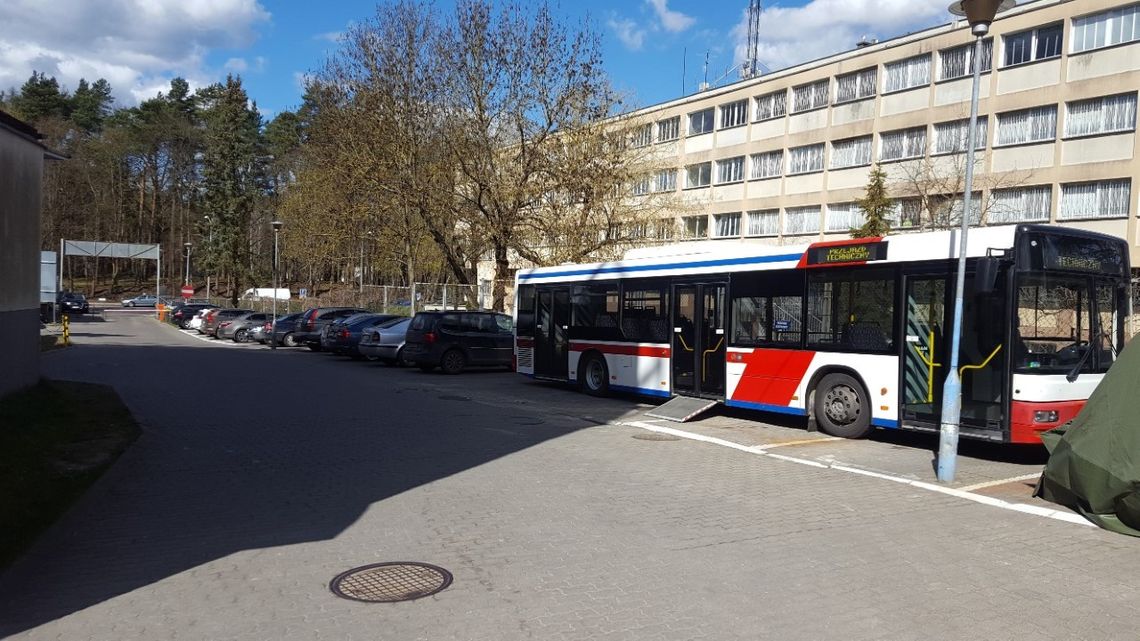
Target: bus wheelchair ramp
[(680, 409)]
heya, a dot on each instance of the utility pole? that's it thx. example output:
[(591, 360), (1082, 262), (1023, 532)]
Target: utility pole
[(277, 224), (186, 279)]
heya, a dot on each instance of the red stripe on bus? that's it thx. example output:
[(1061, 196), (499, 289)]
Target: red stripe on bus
[(772, 375), (624, 350)]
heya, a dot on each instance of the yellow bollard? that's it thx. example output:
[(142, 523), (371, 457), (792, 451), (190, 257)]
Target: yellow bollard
[(66, 330)]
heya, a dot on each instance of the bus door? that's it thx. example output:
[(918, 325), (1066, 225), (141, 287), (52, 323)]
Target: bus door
[(924, 355), (698, 344), (551, 336)]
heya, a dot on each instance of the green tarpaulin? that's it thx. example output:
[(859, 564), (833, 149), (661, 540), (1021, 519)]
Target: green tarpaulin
[(1094, 459)]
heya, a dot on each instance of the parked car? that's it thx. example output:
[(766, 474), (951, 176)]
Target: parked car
[(282, 330), (142, 300), (385, 342), (219, 316), (454, 340), (313, 322), (343, 336), (239, 327), (72, 303), (183, 314)]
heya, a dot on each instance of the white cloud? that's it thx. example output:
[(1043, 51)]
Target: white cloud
[(237, 65), (672, 21), (791, 35), (137, 45), (331, 36), (627, 31)]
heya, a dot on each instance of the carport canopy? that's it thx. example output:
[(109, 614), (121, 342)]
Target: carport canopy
[(99, 249)]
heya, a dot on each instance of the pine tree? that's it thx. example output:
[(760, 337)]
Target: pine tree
[(876, 207), (40, 97), (90, 104)]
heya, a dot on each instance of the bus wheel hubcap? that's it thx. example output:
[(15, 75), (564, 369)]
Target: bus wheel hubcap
[(841, 404), (594, 375)]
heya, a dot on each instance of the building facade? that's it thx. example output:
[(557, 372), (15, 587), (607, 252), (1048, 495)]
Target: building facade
[(782, 157)]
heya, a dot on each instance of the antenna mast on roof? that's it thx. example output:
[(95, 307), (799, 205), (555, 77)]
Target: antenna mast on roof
[(751, 66)]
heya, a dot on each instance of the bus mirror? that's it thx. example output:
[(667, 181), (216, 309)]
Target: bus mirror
[(986, 275)]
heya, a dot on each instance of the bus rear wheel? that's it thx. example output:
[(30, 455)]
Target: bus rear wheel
[(594, 376), (842, 407)]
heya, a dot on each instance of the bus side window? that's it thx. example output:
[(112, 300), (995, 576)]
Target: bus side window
[(750, 320)]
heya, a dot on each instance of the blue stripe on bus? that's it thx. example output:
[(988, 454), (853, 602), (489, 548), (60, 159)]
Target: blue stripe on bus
[(720, 262), (885, 422), (765, 407), (641, 390)]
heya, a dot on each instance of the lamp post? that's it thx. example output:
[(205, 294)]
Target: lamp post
[(277, 224), (979, 13), (209, 223), (186, 280)]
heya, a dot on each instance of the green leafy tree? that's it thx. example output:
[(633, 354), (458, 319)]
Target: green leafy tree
[(91, 104), (876, 206), (41, 97)]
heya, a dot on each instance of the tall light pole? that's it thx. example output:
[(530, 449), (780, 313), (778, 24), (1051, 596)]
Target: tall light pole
[(186, 280), (979, 13), (277, 225), (210, 224)]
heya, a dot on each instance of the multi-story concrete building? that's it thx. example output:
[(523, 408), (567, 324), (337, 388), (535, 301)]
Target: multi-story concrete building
[(782, 157)]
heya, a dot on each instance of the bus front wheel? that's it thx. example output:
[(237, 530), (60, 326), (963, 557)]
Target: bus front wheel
[(594, 376), (841, 406)]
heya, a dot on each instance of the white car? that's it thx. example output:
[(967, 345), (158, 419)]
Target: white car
[(196, 322)]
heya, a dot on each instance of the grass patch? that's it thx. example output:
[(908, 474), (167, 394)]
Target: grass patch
[(56, 439)]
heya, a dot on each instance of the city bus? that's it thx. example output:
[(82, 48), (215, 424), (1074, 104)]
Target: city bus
[(852, 334)]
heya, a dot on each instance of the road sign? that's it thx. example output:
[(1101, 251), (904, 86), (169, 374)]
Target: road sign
[(187, 291)]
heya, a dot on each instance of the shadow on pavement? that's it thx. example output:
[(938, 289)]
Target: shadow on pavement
[(247, 449)]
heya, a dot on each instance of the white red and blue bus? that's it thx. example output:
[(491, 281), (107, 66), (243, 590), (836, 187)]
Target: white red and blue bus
[(854, 334)]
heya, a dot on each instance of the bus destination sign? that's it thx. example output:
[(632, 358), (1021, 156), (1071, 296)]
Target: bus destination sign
[(853, 253)]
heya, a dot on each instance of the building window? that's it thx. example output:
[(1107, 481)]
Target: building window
[(734, 114), (730, 170), (1034, 44), (948, 209), (773, 105), (950, 137), (701, 122), (726, 225), (802, 220), (1101, 115), (665, 180), (1104, 199), (843, 217), (1107, 28), (767, 165), (853, 152), (642, 135), (1030, 125), (699, 175), (907, 213), (959, 61), (694, 227), (906, 74), (669, 129), (904, 143), (1020, 205), (764, 223), (806, 159), (808, 97), (855, 86), (641, 186)]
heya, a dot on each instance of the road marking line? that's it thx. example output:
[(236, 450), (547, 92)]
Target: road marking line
[(1012, 479), (804, 441), (962, 493)]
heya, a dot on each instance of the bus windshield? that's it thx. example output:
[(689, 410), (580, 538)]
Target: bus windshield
[(1059, 317)]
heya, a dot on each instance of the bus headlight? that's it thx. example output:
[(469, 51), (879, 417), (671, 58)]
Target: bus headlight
[(1045, 416)]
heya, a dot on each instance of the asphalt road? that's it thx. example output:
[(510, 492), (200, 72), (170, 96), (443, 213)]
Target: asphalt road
[(261, 475)]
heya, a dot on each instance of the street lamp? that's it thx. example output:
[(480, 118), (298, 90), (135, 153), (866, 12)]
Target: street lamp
[(186, 280), (979, 13), (209, 223), (277, 225)]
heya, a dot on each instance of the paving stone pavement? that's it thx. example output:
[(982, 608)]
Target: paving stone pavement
[(230, 515)]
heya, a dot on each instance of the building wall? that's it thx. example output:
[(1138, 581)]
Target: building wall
[(1052, 80), (21, 172)]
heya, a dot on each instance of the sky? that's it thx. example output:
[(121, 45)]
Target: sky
[(654, 50)]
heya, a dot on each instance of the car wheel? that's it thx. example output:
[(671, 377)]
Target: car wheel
[(453, 361), (131, 304), (288, 340), (594, 376), (241, 336), (841, 407), (401, 359)]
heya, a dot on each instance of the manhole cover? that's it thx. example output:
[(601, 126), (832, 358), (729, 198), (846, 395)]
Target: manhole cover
[(454, 397), (390, 582), (656, 436)]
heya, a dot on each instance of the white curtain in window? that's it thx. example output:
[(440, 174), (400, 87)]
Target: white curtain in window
[(904, 74), (730, 170), (767, 165), (853, 152), (810, 96), (958, 62), (951, 137), (734, 114), (853, 86), (695, 226), (1023, 204), (669, 129), (1106, 28), (801, 220), (907, 212), (844, 217), (666, 180), (764, 223), (905, 143), (805, 159), (1101, 115), (641, 186), (772, 105), (1105, 199), (956, 206), (1030, 125), (727, 225)]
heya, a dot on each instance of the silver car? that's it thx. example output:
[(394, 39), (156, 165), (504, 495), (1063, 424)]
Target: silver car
[(386, 342), (240, 329)]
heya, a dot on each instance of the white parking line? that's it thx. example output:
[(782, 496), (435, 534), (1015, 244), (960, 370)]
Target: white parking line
[(1012, 479), (962, 493)]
